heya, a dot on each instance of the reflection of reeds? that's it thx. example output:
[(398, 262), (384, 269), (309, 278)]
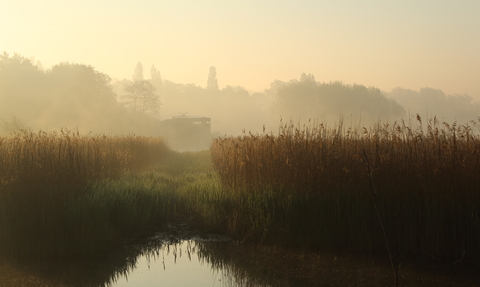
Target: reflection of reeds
[(47, 207), (309, 186)]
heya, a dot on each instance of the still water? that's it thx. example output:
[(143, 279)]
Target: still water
[(181, 259), (226, 263), (180, 264)]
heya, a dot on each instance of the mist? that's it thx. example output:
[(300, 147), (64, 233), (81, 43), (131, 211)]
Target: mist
[(78, 97), (429, 102), (68, 96)]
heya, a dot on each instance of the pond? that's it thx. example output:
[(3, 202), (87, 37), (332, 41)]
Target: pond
[(179, 258)]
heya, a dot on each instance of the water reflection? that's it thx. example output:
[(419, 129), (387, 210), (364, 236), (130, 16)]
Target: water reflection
[(200, 262), (180, 260), (181, 264), (72, 272)]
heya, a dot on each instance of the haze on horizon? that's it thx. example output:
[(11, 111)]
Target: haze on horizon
[(385, 44)]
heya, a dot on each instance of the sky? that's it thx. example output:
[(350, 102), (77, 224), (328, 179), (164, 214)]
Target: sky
[(381, 43)]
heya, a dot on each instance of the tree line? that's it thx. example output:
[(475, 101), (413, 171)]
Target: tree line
[(69, 95), (78, 96)]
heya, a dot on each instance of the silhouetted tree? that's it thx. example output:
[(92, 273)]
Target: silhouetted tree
[(309, 99), (68, 95), (212, 83), (79, 96), (433, 102), (37, 63), (81, 84), (138, 72), (142, 97), (23, 88), (304, 78), (155, 77)]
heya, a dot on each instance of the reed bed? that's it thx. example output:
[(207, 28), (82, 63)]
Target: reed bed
[(66, 161), (309, 186), (52, 200)]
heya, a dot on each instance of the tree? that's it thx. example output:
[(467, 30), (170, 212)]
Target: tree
[(155, 77), (23, 88), (309, 99), (138, 72), (79, 97), (142, 97), (81, 85), (307, 78), (38, 64), (212, 83), (432, 102), (67, 95)]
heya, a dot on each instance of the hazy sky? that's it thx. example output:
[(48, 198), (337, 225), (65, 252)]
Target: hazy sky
[(382, 43)]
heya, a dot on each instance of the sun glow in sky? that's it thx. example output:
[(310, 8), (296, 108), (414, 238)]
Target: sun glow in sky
[(386, 44)]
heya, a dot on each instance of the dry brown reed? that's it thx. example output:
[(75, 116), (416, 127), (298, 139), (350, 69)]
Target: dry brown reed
[(66, 161), (425, 179), (49, 204)]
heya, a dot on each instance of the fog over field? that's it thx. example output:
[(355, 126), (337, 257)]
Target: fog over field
[(77, 96), (122, 67)]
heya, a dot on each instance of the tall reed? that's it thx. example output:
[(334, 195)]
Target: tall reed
[(308, 186), (67, 160), (50, 200)]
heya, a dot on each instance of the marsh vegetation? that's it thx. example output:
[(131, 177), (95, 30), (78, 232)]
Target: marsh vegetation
[(65, 195), (55, 200), (309, 187)]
